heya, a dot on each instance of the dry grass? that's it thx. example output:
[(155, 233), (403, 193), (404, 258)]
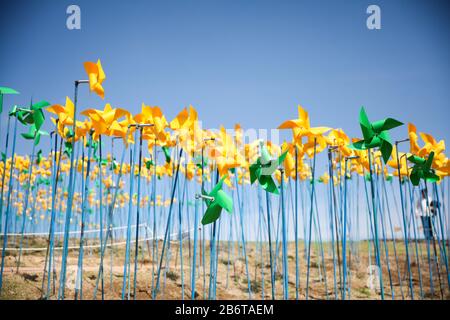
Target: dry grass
[(232, 282)]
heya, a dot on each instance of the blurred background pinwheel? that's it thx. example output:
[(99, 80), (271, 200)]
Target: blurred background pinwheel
[(216, 200), (264, 167), (422, 169)]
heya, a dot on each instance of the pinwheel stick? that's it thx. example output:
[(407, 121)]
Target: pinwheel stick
[(136, 249), (433, 239), (310, 221), (334, 214), (269, 233), (8, 205), (375, 224), (405, 234), (4, 172), (297, 269), (284, 235), (166, 233), (344, 232), (62, 282)]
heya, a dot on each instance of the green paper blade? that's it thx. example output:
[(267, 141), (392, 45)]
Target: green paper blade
[(212, 214), (282, 157), (38, 118), (387, 124), (6, 90), (265, 155), (414, 180), (253, 172), (166, 154), (27, 136), (40, 105), (224, 200), (37, 139), (386, 146), (365, 124), (30, 135), (39, 157), (358, 145), (429, 162), (148, 164), (416, 159), (268, 184), (432, 177), (218, 186)]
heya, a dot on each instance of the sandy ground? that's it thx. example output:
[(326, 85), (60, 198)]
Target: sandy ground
[(232, 281)]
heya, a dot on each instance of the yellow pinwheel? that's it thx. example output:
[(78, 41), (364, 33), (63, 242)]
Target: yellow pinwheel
[(301, 127), (104, 121), (96, 77)]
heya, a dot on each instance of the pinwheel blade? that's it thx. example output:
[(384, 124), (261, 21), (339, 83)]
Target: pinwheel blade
[(212, 213), (386, 124), (429, 162), (415, 177), (432, 177), (30, 134), (40, 105), (166, 154), (386, 146), (38, 138), (253, 172), (366, 126), (358, 145), (224, 200), (416, 159), (282, 157), (268, 184), (218, 186), (38, 118), (265, 155), (5, 90)]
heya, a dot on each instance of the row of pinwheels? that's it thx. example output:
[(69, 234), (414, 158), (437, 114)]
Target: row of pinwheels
[(214, 158)]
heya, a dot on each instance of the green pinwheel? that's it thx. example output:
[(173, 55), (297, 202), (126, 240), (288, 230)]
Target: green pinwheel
[(376, 134), (422, 169), (34, 115), (5, 90), (263, 169), (216, 200)]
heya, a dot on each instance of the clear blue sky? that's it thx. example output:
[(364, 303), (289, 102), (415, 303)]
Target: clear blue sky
[(243, 61)]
